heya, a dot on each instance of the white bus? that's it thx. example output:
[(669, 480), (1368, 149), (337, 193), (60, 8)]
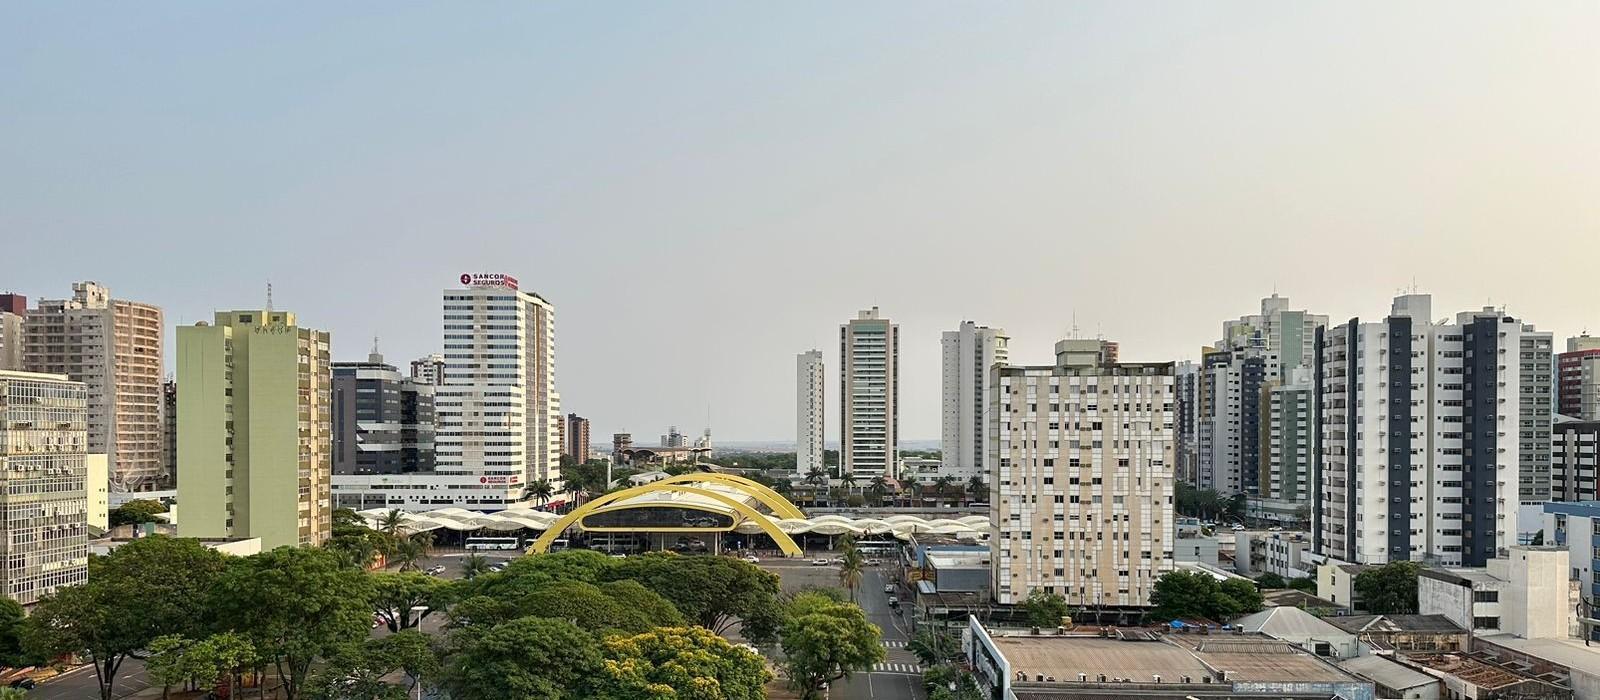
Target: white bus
[(491, 543)]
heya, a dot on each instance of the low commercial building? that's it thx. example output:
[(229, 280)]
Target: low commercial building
[(1404, 633), (1527, 594), (1392, 679), (1336, 582), (1142, 663), (1568, 663), (1467, 675), (1301, 629)]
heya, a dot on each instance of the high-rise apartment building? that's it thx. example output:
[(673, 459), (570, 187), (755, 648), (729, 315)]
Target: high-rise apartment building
[(968, 352), (44, 442), (1186, 406), (1289, 334), (429, 370), (809, 412), (255, 429), (383, 423), (1578, 377), (619, 443), (1575, 460), (169, 431), (499, 411), (1081, 459), (869, 394), (1287, 459), (13, 310), (1228, 431), (576, 438), (114, 347), (1431, 434)]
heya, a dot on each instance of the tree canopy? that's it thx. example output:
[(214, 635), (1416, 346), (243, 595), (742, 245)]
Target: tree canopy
[(137, 512), (679, 662), (1389, 589), (1184, 595), (825, 640)]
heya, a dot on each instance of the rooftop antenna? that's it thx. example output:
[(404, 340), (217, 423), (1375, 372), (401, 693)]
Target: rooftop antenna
[(1073, 333)]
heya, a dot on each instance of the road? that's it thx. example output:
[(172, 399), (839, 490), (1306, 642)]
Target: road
[(79, 683), (899, 677)]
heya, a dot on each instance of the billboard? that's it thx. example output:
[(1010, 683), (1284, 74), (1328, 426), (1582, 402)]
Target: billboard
[(488, 279)]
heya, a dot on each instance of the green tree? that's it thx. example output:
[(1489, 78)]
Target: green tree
[(408, 551), (587, 605), (1245, 598), (1044, 609), (165, 661), (852, 567), (1187, 595), (354, 672), (946, 682), (847, 480), (226, 655), (824, 641), (1305, 584), (295, 606), (142, 590), (679, 662), (473, 566), (411, 652), (541, 491), (911, 488), (398, 596), (878, 488), (713, 592), (1271, 581), (977, 490), (137, 512), (354, 542), (480, 611), (1389, 589), (12, 621), (816, 477), (933, 646), (943, 485), (530, 657)]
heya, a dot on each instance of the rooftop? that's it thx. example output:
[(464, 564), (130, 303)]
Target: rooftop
[(1565, 652), (1437, 624), (1141, 654), (1261, 659), (1479, 673), (1386, 673)]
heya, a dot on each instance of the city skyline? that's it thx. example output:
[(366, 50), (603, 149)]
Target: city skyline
[(843, 167)]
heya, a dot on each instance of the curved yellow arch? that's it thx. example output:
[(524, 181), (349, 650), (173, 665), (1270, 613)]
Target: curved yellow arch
[(780, 506), (785, 543)]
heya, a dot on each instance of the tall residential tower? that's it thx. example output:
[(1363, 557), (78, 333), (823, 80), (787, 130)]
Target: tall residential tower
[(969, 352), (809, 410), (869, 394)]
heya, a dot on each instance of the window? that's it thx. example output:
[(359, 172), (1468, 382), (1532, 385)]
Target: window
[(1485, 623), (1486, 596)]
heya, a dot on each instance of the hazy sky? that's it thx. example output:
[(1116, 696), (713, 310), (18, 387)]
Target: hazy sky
[(705, 189)]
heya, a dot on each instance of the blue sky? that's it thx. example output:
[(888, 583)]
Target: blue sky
[(705, 189)]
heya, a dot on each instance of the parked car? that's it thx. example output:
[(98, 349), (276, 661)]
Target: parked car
[(1236, 528), (888, 588), (24, 683), (753, 559), (1275, 528), (819, 562)]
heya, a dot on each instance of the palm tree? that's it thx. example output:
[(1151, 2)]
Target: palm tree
[(411, 550), (574, 491), (392, 523), (878, 487), (852, 566), (930, 647), (942, 484), (847, 480), (540, 491), (816, 477), (910, 486), (976, 489), (473, 566)]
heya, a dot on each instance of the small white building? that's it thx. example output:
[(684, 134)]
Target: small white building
[(1302, 629), (1527, 594)]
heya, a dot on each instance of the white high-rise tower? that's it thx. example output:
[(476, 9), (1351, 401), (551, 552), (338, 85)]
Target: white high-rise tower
[(808, 411), (969, 353), (869, 394)]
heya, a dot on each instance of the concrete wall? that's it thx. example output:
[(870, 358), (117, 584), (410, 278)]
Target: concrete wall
[(1435, 597)]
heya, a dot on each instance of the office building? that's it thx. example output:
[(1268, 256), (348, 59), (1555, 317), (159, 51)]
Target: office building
[(13, 311), (499, 411), (114, 347), (1431, 435), (809, 411), (44, 442), (255, 429), (1578, 378), (575, 440), (1081, 458), (1574, 460), (968, 353), (383, 423), (429, 370), (869, 394)]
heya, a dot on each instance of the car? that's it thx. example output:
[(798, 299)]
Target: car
[(874, 562), (753, 559), (819, 562), (497, 568), (836, 560), (618, 555), (24, 683), (888, 588), (1237, 528), (1275, 528), (894, 601), (435, 570)]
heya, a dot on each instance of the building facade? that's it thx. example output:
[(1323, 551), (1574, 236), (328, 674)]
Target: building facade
[(1186, 408), (1575, 460), (429, 370), (1576, 526), (44, 442), (114, 347), (169, 431), (13, 311), (810, 412), (1578, 378), (383, 423), (499, 411), (1289, 334), (575, 439), (1431, 435), (1081, 458), (968, 353), (255, 429), (1289, 410), (869, 394), (1229, 428)]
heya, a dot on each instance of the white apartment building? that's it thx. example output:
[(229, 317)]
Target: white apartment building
[(498, 409), (11, 332), (1291, 335), (869, 394), (44, 543), (114, 347), (1229, 421), (1081, 458), (1431, 435), (968, 352), (428, 370), (809, 412)]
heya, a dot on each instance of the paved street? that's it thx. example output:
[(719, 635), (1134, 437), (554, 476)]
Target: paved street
[(898, 677)]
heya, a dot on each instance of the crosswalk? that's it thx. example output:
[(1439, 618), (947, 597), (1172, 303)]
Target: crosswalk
[(896, 668), (892, 644)]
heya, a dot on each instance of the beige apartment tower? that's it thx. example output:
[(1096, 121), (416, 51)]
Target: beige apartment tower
[(44, 459), (255, 455), (1082, 478), (869, 394), (114, 347)]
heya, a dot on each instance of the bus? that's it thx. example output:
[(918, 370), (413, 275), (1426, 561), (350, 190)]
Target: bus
[(491, 543)]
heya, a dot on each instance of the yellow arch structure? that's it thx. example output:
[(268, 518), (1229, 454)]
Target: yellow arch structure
[(780, 506), (785, 542)]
